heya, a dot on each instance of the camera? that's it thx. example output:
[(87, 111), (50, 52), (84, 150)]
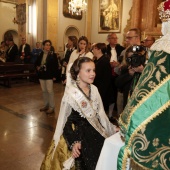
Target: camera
[(138, 56)]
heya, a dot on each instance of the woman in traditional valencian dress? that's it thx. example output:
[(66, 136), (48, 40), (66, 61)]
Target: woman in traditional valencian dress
[(82, 123)]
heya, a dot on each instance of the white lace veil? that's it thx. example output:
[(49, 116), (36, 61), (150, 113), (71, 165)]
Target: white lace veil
[(163, 44)]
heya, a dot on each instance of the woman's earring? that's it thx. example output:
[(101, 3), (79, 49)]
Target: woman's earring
[(78, 80)]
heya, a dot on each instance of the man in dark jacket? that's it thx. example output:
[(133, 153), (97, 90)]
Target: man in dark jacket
[(47, 66), (12, 51)]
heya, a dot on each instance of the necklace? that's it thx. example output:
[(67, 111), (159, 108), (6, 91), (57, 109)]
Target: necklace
[(88, 97)]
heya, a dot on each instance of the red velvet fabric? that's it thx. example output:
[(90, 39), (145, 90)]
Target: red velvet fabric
[(167, 5)]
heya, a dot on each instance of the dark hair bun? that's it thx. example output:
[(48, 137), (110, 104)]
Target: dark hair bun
[(73, 74)]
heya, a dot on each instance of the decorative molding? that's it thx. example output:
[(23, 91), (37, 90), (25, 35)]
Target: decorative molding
[(128, 26), (10, 1), (147, 28)]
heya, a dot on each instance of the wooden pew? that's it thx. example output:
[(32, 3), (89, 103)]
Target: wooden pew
[(9, 71)]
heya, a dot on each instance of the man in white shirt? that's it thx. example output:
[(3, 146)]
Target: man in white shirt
[(25, 51), (113, 51)]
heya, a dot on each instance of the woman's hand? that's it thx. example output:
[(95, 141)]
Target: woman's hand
[(131, 71), (64, 64), (82, 51), (114, 63), (76, 150), (139, 69)]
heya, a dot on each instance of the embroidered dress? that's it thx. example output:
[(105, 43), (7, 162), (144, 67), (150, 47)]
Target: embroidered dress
[(79, 120)]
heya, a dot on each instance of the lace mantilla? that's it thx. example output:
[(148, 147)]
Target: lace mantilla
[(163, 44)]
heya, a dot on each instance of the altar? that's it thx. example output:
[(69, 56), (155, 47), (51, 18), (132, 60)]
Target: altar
[(109, 153)]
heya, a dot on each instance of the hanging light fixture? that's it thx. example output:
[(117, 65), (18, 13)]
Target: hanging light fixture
[(77, 6)]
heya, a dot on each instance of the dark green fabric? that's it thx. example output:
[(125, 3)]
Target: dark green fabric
[(156, 139), (149, 114)]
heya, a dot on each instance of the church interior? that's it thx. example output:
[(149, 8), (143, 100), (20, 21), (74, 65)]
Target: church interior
[(26, 132)]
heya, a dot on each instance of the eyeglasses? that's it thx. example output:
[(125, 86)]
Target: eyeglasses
[(113, 38), (131, 37)]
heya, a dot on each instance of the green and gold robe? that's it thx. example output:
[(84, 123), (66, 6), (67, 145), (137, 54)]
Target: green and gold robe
[(145, 121)]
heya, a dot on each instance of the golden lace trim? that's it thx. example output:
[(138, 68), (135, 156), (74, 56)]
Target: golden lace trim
[(142, 125), (143, 100), (135, 166), (125, 158)]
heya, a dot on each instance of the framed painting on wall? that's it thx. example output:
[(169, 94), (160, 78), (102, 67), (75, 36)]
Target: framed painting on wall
[(110, 13), (68, 14)]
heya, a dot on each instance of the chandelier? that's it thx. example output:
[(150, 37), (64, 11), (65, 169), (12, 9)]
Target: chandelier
[(77, 6)]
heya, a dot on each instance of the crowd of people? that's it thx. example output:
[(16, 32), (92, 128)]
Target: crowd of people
[(9, 51), (82, 67)]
